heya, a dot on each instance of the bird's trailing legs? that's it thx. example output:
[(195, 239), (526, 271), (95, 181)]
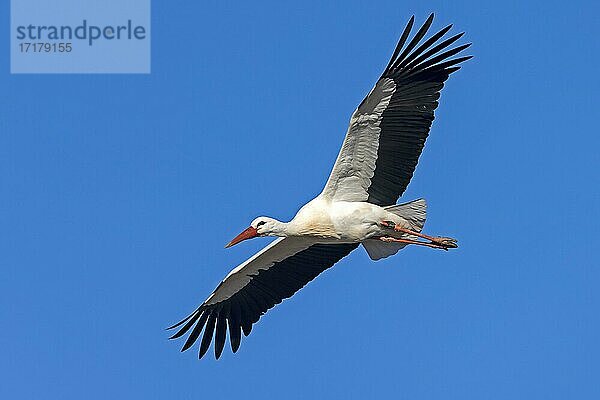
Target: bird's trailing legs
[(443, 243)]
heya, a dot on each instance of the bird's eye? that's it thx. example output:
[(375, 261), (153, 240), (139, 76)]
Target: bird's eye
[(260, 223)]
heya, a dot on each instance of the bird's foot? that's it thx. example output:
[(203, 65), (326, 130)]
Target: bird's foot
[(447, 242)]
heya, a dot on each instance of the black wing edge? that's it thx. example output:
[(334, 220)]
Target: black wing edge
[(419, 72), (266, 289)]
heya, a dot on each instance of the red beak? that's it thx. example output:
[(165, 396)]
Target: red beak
[(249, 233)]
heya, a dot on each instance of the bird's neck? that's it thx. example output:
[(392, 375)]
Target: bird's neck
[(282, 229), (299, 228), (292, 228)]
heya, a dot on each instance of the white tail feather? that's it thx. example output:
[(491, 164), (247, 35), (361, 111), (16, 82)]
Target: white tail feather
[(415, 212)]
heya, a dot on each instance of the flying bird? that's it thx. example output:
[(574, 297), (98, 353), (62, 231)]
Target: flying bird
[(378, 157)]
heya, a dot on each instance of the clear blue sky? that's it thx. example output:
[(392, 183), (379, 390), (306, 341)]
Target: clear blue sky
[(117, 194)]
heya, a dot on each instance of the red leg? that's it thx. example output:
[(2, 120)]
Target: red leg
[(408, 241), (441, 241)]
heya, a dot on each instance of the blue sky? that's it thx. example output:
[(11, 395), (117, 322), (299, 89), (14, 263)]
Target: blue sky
[(118, 193)]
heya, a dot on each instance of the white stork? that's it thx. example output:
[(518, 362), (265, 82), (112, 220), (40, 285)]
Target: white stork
[(386, 135)]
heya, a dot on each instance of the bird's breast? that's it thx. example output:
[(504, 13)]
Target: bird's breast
[(314, 220), (338, 221)]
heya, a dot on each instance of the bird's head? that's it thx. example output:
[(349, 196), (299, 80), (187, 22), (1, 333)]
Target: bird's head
[(261, 226)]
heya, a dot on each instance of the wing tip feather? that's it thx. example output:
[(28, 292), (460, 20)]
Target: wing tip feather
[(411, 59)]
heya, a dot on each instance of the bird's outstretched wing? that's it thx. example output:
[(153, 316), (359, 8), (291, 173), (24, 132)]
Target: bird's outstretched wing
[(248, 291), (388, 130)]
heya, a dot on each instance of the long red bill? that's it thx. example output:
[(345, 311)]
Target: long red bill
[(249, 233)]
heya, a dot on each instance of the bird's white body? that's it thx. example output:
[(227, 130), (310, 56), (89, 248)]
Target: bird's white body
[(376, 162), (341, 221)]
